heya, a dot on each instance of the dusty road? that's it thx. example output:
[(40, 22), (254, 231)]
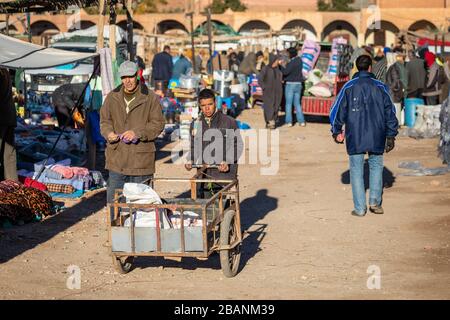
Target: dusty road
[(300, 240)]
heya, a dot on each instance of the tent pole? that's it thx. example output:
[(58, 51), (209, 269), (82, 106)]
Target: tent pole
[(29, 26), (7, 24), (101, 25), (112, 30), (130, 30)]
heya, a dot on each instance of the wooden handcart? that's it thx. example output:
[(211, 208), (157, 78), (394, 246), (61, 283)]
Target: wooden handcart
[(220, 230)]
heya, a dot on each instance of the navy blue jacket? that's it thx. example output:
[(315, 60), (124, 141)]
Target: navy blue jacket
[(162, 66), (366, 109), (293, 71)]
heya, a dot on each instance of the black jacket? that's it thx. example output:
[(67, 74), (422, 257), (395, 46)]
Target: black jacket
[(365, 107), (162, 66), (202, 140), (7, 109), (417, 74), (293, 71)]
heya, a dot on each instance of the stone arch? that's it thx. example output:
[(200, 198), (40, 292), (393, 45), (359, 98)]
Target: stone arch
[(339, 25), (168, 25), (422, 25), (84, 24), (340, 28), (136, 25), (11, 27), (301, 24), (203, 26), (41, 26), (384, 33), (254, 25)]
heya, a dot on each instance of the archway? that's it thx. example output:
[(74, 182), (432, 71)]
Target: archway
[(340, 28), (82, 25), (252, 25), (309, 30), (136, 25), (381, 33), (422, 25), (170, 26), (41, 26), (218, 28)]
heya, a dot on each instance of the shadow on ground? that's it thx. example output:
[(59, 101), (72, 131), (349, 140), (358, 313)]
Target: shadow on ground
[(388, 177), (17, 240), (253, 209)]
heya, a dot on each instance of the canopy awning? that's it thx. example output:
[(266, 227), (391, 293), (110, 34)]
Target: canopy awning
[(18, 54), (21, 6)]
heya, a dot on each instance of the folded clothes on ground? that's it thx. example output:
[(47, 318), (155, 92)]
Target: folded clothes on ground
[(76, 182), (69, 172)]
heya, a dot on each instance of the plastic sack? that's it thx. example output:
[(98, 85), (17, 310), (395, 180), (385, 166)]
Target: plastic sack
[(140, 193), (321, 90), (144, 219)]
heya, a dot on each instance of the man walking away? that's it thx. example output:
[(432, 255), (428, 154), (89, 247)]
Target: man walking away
[(270, 79), (365, 107), (8, 161), (417, 75), (130, 120), (293, 77), (182, 67), (162, 66)]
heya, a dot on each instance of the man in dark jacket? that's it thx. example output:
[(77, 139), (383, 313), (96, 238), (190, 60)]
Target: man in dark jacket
[(365, 107), (223, 147), (270, 79), (417, 75), (182, 67), (293, 78), (8, 166), (162, 66), (64, 98)]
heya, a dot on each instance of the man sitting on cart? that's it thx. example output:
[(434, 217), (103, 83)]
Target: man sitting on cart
[(214, 143)]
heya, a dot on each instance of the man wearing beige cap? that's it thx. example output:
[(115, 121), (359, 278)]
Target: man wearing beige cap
[(130, 120)]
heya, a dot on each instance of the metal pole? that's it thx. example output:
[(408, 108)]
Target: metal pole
[(101, 25), (112, 29), (130, 30), (7, 24), (29, 26), (209, 32), (191, 15)]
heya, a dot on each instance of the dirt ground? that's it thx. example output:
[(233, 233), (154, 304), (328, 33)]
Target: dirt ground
[(300, 241)]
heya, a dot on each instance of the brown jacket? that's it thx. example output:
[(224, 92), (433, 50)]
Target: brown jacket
[(145, 118), (7, 109)]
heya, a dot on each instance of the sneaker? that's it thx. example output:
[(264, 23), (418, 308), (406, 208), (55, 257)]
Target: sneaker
[(288, 124), (358, 214), (376, 209), (303, 124)]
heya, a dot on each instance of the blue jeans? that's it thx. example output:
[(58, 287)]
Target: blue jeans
[(293, 93), (375, 180)]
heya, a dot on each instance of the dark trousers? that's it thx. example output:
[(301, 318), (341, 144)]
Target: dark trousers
[(8, 160), (415, 94), (432, 100), (271, 112)]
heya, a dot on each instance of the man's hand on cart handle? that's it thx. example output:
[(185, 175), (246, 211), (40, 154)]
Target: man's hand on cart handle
[(224, 167)]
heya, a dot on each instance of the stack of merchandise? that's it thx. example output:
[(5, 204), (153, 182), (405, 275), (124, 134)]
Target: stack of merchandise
[(20, 204), (333, 65), (310, 54), (444, 142), (62, 180), (427, 124), (318, 84)]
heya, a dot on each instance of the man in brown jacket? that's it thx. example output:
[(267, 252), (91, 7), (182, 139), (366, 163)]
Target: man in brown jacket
[(8, 162), (130, 120)]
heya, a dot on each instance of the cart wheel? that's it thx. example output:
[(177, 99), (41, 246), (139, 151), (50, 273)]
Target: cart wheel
[(123, 264), (229, 259)]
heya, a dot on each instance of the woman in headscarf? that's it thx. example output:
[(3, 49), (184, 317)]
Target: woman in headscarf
[(270, 79), (436, 78)]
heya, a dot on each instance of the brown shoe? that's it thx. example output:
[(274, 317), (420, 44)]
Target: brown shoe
[(376, 209)]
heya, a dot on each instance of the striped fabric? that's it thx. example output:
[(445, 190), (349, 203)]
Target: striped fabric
[(60, 188)]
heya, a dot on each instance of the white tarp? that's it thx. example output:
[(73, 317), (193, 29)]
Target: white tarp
[(121, 35), (18, 54)]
